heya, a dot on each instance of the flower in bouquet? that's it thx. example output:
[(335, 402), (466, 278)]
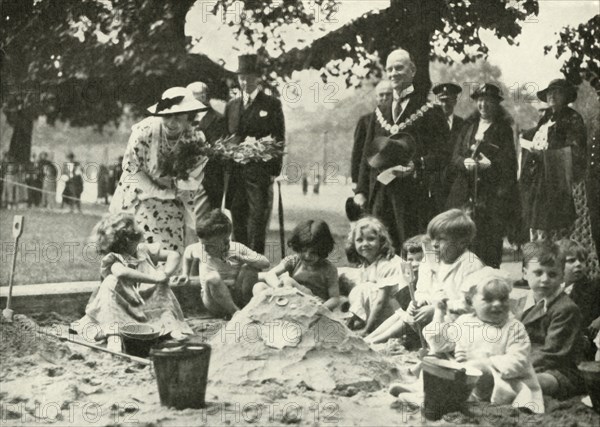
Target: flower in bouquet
[(188, 153), (248, 150)]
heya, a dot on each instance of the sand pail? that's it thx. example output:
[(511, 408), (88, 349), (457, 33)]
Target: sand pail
[(138, 338), (182, 374), (590, 371), (447, 386)]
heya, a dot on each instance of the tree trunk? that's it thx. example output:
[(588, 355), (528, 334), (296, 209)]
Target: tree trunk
[(20, 142)]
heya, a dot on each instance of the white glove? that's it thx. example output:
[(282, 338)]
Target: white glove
[(484, 162), (470, 164)]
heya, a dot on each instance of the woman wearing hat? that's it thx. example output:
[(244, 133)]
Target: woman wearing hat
[(553, 161), (144, 188), (485, 164)]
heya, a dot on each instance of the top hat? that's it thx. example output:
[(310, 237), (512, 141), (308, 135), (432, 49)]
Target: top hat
[(567, 88), (353, 211), (248, 64), (176, 100), (488, 89), (446, 90), (392, 151)]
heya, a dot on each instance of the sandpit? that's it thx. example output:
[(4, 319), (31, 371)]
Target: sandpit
[(288, 338), (46, 382)]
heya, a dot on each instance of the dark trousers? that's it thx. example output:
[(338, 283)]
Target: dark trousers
[(487, 244), (248, 196), (213, 182), (592, 187), (395, 205)]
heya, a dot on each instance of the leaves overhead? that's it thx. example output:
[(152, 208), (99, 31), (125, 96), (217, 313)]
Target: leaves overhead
[(580, 44)]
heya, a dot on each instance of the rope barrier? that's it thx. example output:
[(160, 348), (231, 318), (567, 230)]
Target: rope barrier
[(47, 192)]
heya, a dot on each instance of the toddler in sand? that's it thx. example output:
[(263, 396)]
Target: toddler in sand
[(491, 340), (228, 270), (308, 269)]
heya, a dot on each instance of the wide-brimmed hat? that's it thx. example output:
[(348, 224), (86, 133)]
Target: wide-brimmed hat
[(488, 89), (353, 211), (568, 88), (176, 100), (446, 90), (248, 64), (391, 151)]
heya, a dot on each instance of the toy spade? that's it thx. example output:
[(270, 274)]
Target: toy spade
[(227, 212), (17, 230)]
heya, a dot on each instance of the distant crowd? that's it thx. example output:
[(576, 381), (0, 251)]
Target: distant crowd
[(35, 184)]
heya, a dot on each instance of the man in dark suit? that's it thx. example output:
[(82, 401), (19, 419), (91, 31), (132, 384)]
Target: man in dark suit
[(447, 96), (383, 94), (253, 114), (405, 204), (212, 124)]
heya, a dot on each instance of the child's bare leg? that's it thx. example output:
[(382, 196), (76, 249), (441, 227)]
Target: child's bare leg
[(245, 281), (259, 288), (216, 296), (548, 383), (392, 327)]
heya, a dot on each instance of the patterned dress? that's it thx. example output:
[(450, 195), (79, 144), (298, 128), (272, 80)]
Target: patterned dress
[(161, 220)]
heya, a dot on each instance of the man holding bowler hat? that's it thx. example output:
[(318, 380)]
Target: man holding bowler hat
[(253, 114)]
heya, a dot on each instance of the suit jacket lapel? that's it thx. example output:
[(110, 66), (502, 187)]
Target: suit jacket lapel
[(386, 111), (236, 115), (411, 107)]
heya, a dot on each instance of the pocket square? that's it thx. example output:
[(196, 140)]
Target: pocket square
[(263, 113)]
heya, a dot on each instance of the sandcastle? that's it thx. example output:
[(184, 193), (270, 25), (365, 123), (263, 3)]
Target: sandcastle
[(288, 338)]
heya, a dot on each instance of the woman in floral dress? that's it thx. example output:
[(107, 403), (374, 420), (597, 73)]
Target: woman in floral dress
[(148, 187)]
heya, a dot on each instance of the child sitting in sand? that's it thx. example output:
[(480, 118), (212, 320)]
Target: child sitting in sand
[(491, 340), (369, 245), (552, 321), (228, 270), (584, 292), (127, 263), (395, 325), (450, 232), (309, 269)]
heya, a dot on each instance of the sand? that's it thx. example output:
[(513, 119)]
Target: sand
[(45, 382)]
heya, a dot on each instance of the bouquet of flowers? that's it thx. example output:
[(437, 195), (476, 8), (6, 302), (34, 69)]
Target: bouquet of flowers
[(249, 150), (186, 156)]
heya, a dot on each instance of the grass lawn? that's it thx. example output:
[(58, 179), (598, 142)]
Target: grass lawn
[(54, 247)]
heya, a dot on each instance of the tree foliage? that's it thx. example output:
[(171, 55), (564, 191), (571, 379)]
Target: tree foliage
[(429, 29), (580, 45)]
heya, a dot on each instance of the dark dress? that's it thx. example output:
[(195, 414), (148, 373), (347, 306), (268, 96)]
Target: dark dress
[(497, 204), (547, 178)]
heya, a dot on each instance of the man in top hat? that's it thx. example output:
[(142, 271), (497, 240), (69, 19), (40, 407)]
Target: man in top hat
[(404, 202), (447, 96), (212, 124), (253, 114), (383, 94)]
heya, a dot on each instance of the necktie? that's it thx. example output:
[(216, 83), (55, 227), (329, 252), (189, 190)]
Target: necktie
[(397, 110)]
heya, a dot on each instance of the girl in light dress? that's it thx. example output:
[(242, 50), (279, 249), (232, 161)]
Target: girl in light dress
[(121, 299)]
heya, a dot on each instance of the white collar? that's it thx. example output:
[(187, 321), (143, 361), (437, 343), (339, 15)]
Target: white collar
[(249, 98), (404, 93), (530, 301)]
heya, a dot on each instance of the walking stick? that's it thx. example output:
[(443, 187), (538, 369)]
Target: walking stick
[(411, 289), (281, 229), (17, 230), (475, 179), (225, 188)]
